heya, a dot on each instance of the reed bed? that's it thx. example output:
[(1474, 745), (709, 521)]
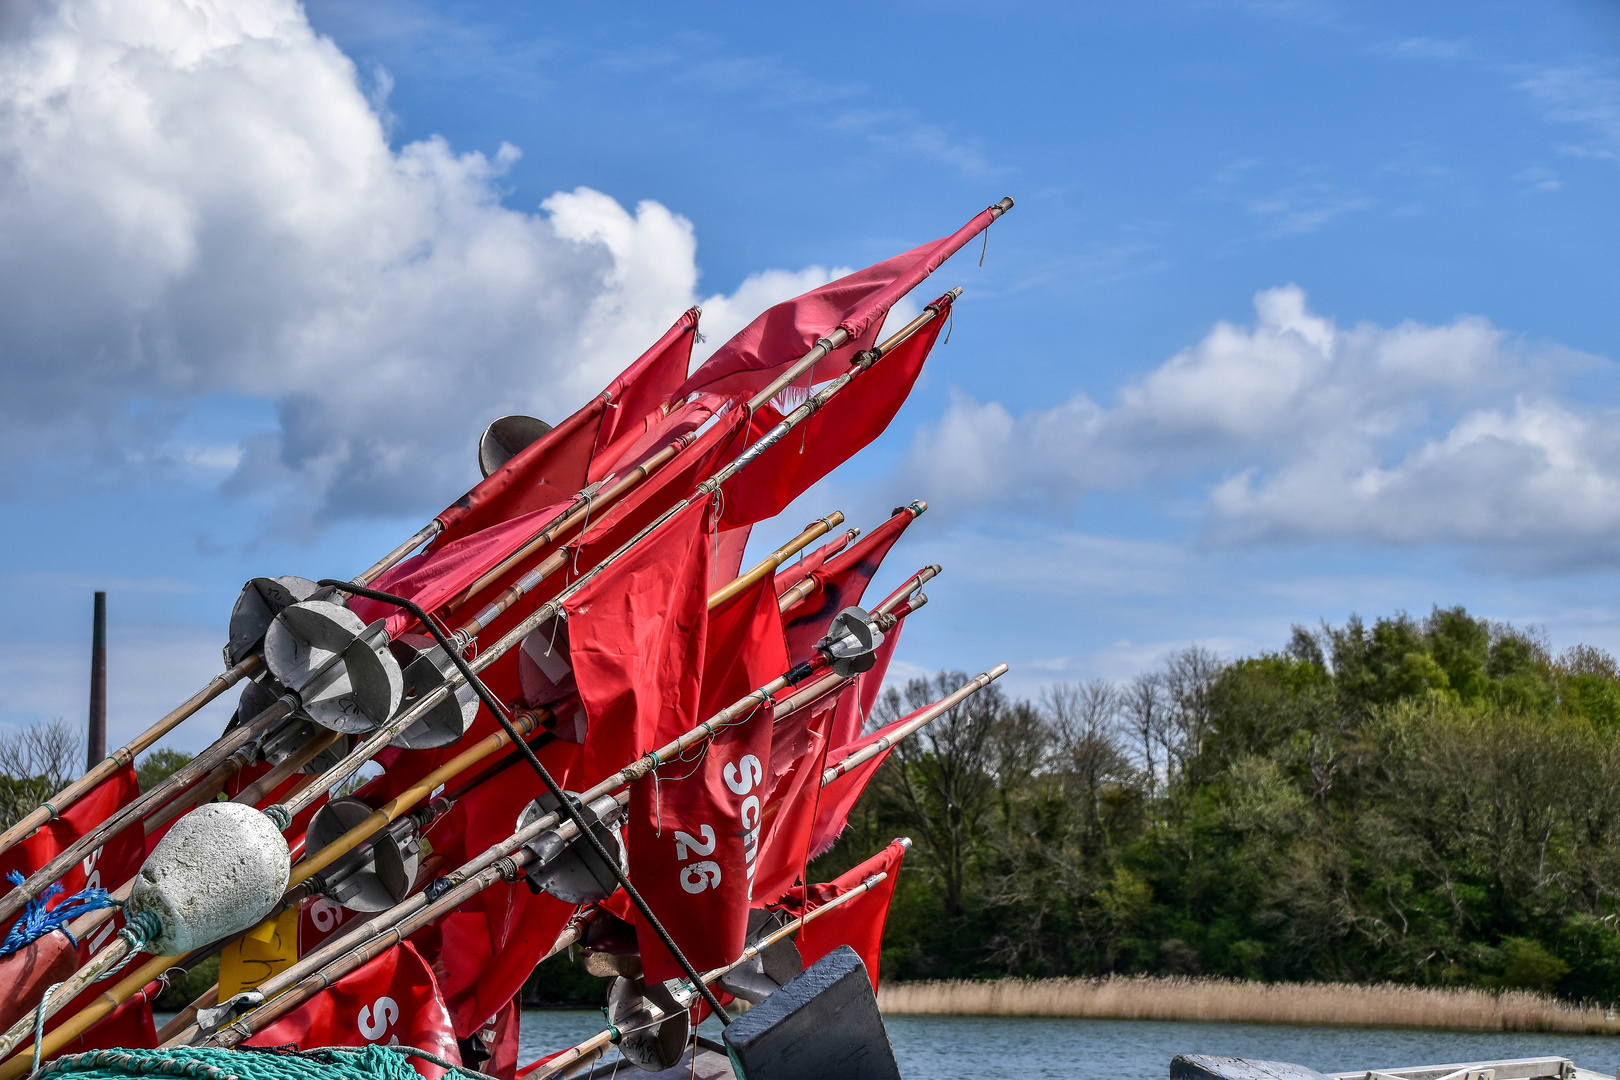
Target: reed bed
[(1235, 1001)]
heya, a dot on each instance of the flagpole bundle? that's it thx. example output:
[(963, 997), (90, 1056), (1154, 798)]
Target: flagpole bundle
[(894, 607), (317, 676)]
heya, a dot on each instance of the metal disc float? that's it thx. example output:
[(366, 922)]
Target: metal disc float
[(425, 668), (342, 669), (505, 438), (377, 874), (262, 599), (577, 875)]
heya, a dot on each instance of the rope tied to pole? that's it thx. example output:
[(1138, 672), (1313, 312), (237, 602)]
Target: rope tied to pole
[(39, 919)]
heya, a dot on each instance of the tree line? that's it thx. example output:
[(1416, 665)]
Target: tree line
[(1428, 801)]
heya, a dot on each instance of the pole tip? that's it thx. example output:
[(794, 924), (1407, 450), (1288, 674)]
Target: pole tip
[(997, 672), (903, 841), (918, 507), (954, 292), (1003, 206)]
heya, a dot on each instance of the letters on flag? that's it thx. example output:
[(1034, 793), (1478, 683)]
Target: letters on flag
[(695, 822), (392, 1000)]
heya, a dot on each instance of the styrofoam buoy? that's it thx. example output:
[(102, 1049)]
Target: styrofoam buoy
[(220, 870)]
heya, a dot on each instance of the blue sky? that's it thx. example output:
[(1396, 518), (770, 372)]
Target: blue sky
[(1305, 308)]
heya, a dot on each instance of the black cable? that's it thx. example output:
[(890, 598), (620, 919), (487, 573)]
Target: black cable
[(566, 804)]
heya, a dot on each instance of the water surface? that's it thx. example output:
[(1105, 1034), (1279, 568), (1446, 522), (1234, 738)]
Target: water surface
[(961, 1047)]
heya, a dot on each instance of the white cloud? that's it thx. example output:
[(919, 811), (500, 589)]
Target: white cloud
[(199, 198), (1299, 430)]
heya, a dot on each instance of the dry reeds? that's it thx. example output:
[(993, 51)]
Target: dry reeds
[(1234, 1001)]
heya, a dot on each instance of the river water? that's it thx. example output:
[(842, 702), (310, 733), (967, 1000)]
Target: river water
[(959, 1048)]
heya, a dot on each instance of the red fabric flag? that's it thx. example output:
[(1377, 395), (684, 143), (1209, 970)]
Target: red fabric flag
[(109, 865), (858, 923), (637, 399), (726, 562), (391, 1001), (795, 571), (129, 1027), (444, 571), (829, 437), (503, 1042), (841, 583), (549, 470), (554, 467), (635, 635), (694, 823), (859, 303), (483, 952), (106, 867), (798, 756)]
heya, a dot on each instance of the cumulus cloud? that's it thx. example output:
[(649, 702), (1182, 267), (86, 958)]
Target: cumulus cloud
[(1296, 429), (198, 197)]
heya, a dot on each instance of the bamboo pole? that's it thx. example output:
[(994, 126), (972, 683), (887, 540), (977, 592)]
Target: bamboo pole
[(380, 738), (410, 910), (768, 565), (196, 768), (125, 754), (901, 731), (650, 1014)]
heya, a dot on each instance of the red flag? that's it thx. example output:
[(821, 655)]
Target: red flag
[(858, 923), (859, 303), (842, 582), (635, 635), (726, 563), (483, 952), (444, 572), (130, 1026), (502, 1042), (391, 1001), (554, 467), (829, 437), (106, 867), (637, 399), (694, 823), (798, 756), (795, 571), (109, 865)]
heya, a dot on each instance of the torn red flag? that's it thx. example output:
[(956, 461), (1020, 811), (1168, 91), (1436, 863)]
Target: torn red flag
[(858, 923), (842, 581), (858, 302), (849, 421)]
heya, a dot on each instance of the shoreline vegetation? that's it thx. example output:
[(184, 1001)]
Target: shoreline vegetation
[(1210, 1000), (1415, 801)]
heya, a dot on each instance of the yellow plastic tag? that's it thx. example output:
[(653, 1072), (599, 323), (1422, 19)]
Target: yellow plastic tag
[(266, 950)]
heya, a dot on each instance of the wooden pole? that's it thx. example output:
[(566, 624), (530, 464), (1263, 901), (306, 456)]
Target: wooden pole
[(124, 755), (901, 731), (768, 565)]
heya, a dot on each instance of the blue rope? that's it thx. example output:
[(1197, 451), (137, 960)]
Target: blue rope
[(36, 920)]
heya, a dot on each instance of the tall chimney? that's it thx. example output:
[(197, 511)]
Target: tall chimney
[(96, 741)]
